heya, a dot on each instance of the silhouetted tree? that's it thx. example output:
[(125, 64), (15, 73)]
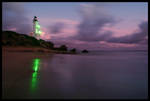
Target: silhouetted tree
[(63, 48), (73, 50), (50, 45)]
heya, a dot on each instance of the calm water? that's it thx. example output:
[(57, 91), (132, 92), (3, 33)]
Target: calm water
[(99, 75)]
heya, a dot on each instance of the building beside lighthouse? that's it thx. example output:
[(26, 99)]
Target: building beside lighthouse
[(36, 28)]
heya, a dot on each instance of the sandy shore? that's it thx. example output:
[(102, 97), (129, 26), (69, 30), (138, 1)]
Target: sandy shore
[(32, 49)]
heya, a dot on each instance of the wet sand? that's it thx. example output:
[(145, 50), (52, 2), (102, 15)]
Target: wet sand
[(34, 75), (32, 49)]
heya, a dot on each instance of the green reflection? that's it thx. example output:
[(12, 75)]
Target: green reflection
[(34, 80), (36, 65)]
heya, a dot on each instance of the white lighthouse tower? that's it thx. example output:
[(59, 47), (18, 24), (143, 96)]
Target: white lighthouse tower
[(36, 28)]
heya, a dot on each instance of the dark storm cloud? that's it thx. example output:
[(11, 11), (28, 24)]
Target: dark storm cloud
[(93, 19), (14, 16), (137, 37), (56, 28)]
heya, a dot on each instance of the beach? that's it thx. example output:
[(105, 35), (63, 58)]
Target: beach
[(101, 75), (32, 49)]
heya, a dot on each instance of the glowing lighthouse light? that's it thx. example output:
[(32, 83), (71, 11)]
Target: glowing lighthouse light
[(36, 28)]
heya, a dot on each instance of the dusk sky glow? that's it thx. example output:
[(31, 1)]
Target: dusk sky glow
[(82, 25)]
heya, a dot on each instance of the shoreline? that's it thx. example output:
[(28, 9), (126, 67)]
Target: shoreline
[(32, 49)]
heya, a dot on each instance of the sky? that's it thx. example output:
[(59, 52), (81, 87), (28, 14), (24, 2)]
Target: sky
[(82, 25)]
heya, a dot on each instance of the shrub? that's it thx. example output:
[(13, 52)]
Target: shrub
[(62, 48)]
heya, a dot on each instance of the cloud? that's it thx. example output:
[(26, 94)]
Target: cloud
[(60, 28), (14, 16), (57, 27), (93, 19), (137, 37), (90, 32)]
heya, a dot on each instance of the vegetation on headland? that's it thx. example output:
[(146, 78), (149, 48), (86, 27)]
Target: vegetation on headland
[(10, 38), (73, 50), (28, 43), (84, 51)]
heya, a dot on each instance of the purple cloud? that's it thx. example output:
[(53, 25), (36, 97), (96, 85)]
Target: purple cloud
[(14, 16), (56, 28), (93, 19), (137, 37)]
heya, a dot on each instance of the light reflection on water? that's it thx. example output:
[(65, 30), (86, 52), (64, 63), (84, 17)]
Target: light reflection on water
[(36, 66)]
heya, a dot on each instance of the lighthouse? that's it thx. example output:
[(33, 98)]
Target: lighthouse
[(36, 28)]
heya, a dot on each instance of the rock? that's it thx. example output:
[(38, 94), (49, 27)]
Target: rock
[(84, 51)]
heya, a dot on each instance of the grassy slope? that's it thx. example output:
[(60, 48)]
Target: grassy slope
[(12, 41)]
